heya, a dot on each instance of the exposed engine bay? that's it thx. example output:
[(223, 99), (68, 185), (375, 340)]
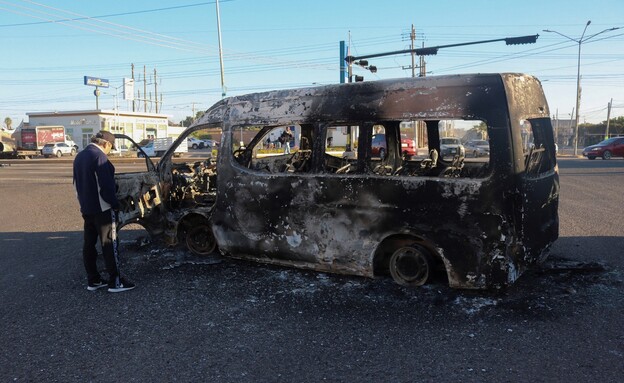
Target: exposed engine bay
[(192, 185)]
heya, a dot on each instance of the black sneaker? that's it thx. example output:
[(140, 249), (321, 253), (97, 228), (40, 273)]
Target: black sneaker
[(97, 285), (123, 285)]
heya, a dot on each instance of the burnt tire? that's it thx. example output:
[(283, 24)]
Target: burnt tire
[(200, 240), (410, 265), (606, 155)]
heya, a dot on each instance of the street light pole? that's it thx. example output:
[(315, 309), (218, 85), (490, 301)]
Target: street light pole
[(580, 41)]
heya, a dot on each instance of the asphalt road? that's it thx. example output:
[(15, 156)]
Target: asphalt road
[(211, 319)]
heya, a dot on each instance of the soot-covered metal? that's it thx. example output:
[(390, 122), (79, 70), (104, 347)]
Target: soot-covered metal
[(478, 223)]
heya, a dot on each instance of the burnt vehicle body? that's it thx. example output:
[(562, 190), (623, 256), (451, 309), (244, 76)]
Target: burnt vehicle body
[(483, 223)]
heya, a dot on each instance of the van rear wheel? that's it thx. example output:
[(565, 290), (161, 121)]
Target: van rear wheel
[(410, 265)]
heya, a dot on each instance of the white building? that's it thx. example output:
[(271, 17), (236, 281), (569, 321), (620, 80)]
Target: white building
[(81, 125)]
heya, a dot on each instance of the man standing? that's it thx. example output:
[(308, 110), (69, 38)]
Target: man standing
[(94, 179), (287, 137)]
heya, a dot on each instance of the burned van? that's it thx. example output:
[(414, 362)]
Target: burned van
[(320, 178)]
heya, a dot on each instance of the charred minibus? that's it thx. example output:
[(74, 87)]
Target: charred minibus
[(346, 197)]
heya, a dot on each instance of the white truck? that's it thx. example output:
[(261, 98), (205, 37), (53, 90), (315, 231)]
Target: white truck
[(28, 142), (162, 144)]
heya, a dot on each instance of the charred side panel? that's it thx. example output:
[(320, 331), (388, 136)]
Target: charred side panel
[(335, 224)]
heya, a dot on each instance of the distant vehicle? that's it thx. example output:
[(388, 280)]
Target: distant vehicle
[(379, 149), (408, 146), (477, 148), (612, 147), (451, 146), (38, 136), (195, 143), (28, 142), (57, 149), (210, 143), (148, 148), (159, 146), (378, 146)]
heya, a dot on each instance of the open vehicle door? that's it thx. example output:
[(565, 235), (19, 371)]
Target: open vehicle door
[(173, 199), (139, 195)]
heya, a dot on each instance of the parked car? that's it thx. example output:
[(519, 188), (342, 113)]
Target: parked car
[(148, 148), (408, 146), (210, 143), (195, 143), (451, 147), (378, 146), (57, 149), (477, 148), (612, 147)]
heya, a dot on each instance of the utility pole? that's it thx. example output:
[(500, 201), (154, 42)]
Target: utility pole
[(412, 38), (557, 125), (220, 51), (608, 118), (423, 68), (144, 90), (155, 90), (133, 107), (572, 119)]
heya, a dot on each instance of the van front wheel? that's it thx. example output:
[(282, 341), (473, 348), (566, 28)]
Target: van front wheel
[(410, 265), (200, 240)]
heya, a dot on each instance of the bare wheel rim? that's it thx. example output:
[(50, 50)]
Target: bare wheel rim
[(200, 240), (409, 266)]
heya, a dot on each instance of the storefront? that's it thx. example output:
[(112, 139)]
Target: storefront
[(81, 125)]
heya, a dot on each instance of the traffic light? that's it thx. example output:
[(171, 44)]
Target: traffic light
[(430, 51), (521, 40)]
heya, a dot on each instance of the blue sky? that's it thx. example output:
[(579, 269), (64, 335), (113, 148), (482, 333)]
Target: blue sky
[(48, 46)]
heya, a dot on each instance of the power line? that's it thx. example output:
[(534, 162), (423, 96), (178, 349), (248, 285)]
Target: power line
[(108, 28), (110, 15)]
